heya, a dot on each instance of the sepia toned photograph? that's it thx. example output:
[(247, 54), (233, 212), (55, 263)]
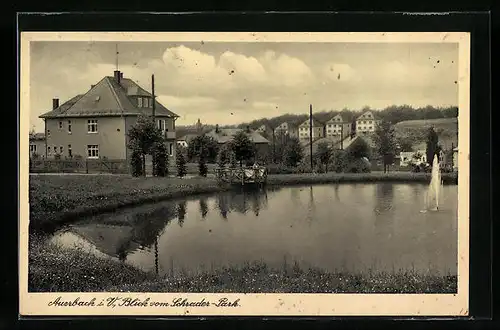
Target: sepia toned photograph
[(223, 175)]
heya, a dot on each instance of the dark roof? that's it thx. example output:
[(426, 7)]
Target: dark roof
[(108, 98), (226, 134), (316, 121), (188, 137), (362, 116), (342, 119)]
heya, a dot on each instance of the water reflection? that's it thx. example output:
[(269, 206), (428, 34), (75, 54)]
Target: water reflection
[(350, 227), (181, 212), (203, 207)]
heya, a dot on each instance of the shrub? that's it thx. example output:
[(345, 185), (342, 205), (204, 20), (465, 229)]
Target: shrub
[(202, 165), (279, 169), (223, 156), (303, 168), (160, 160), (181, 164), (339, 161), (57, 156), (136, 163), (359, 166)]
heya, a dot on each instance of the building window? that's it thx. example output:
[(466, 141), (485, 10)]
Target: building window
[(370, 122), (49, 152), (48, 132), (70, 154), (60, 125), (161, 125), (92, 151), (92, 126), (60, 149), (69, 126), (33, 148), (170, 149), (139, 102), (370, 127)]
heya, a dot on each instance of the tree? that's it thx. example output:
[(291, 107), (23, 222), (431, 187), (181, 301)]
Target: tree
[(323, 154), (405, 144), (278, 147), (136, 163), (143, 136), (202, 165), (432, 145), (385, 142), (339, 160), (223, 156), (181, 163), (358, 149), (242, 147), (206, 143), (293, 152), (160, 159)]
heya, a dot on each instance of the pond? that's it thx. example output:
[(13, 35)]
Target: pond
[(338, 227)]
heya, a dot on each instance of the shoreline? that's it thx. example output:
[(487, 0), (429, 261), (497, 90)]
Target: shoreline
[(63, 206), (56, 201), (55, 269)]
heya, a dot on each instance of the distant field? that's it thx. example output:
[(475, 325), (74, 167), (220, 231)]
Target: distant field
[(451, 123), (447, 129)]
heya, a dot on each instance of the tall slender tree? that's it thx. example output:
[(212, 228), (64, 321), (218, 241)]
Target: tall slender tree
[(431, 145), (385, 142)]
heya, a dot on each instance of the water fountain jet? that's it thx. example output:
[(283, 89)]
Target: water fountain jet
[(435, 186)]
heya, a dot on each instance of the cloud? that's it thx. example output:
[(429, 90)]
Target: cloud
[(286, 70)]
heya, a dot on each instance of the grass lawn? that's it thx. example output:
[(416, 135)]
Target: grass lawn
[(72, 270)]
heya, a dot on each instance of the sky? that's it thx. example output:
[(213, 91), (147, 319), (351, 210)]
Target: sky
[(233, 82)]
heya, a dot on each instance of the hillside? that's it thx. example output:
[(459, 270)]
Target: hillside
[(416, 130)]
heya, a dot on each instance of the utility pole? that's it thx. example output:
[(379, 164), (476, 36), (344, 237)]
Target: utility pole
[(153, 105), (310, 135), (154, 101), (274, 146)]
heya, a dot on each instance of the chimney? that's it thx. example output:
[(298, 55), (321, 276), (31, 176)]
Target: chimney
[(55, 104), (216, 128), (117, 76), (92, 86), (121, 75)]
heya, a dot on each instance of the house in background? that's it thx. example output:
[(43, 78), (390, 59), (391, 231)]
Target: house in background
[(318, 129), (96, 124), (37, 144), (224, 135), (366, 123), (265, 129), (183, 141), (337, 127), (412, 157), (287, 128)]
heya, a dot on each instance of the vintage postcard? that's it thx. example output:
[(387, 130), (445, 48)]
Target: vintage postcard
[(273, 174)]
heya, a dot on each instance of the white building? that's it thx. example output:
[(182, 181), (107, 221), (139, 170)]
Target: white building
[(318, 130), (336, 126), (286, 128), (455, 158), (366, 123)]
